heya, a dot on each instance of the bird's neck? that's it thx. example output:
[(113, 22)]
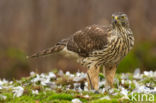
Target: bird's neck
[(122, 31), (126, 35)]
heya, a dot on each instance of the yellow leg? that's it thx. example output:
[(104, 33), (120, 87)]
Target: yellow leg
[(109, 74), (93, 78)]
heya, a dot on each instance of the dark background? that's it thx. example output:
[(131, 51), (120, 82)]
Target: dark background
[(27, 26)]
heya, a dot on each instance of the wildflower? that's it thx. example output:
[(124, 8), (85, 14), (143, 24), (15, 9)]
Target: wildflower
[(86, 96), (34, 91), (51, 75), (18, 91), (106, 97), (76, 100), (3, 97), (137, 74), (32, 73), (124, 91)]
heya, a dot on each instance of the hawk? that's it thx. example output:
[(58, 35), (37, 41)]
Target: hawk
[(98, 46)]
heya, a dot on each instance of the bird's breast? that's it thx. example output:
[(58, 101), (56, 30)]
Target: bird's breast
[(116, 49), (119, 48)]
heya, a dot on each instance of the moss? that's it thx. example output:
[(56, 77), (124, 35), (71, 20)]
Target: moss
[(47, 95), (105, 101), (61, 96)]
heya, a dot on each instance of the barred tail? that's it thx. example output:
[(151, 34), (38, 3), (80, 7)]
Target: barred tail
[(51, 50)]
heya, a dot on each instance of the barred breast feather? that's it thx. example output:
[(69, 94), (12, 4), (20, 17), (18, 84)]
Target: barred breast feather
[(117, 47)]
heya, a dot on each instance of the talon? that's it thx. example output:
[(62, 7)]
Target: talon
[(90, 82)]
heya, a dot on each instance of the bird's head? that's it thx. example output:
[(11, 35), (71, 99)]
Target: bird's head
[(120, 19)]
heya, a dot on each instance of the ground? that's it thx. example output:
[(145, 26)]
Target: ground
[(59, 87)]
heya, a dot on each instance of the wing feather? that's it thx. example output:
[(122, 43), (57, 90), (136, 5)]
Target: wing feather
[(89, 39)]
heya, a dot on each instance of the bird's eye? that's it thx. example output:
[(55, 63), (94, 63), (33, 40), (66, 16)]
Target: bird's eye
[(123, 17)]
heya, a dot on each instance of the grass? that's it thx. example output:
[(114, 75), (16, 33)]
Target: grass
[(55, 88)]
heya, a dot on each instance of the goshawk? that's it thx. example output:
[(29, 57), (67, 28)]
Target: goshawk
[(98, 46)]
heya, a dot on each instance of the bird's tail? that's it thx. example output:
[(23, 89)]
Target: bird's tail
[(57, 48)]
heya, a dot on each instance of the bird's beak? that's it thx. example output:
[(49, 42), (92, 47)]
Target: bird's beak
[(115, 19)]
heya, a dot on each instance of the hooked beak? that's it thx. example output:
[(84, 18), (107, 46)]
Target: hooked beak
[(115, 20)]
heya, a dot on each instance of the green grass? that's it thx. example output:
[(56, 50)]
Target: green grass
[(62, 95)]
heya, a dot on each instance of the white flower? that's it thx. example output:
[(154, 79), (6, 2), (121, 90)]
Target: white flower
[(52, 85), (154, 74), (142, 89), (111, 90), (103, 90), (3, 82), (78, 74), (153, 91), (122, 81), (45, 81), (71, 76), (76, 85), (124, 76), (102, 83), (106, 97), (76, 100), (86, 96), (86, 86), (124, 91), (18, 91), (146, 89), (52, 75), (124, 97), (130, 82), (42, 75), (76, 79), (137, 76), (34, 91), (59, 86), (114, 94), (107, 87), (137, 71), (149, 73), (32, 73), (60, 73), (36, 79), (3, 97), (11, 82), (67, 73), (136, 83)]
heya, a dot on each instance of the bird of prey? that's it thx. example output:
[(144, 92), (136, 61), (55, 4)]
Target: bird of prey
[(98, 46)]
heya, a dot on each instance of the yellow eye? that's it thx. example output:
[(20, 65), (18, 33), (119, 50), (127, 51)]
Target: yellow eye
[(123, 17)]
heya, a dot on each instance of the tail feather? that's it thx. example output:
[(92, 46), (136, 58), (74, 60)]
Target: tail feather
[(54, 49)]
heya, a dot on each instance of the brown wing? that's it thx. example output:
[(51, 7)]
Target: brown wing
[(89, 39)]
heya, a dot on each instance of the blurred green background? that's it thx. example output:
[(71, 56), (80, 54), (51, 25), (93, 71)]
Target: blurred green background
[(27, 26)]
